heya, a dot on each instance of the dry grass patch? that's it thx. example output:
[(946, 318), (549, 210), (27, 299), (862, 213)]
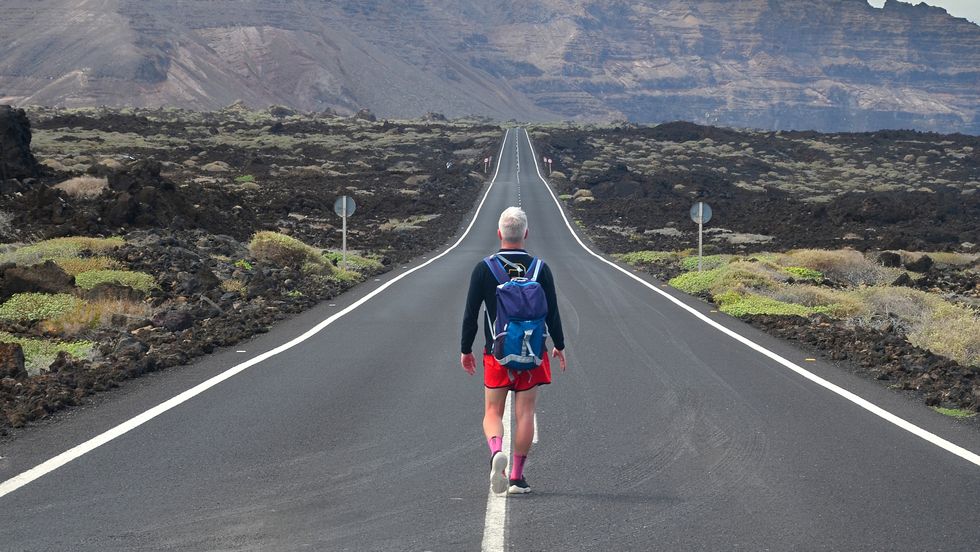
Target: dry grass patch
[(78, 265), (90, 315), (928, 321), (282, 250), (844, 265), (85, 187)]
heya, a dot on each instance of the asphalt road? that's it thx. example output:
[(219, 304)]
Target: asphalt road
[(664, 434)]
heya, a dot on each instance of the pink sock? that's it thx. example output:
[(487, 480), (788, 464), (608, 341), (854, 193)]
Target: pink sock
[(517, 468), (495, 443)]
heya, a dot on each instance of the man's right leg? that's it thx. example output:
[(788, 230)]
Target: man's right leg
[(495, 401)]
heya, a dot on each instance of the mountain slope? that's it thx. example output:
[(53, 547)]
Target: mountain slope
[(829, 65)]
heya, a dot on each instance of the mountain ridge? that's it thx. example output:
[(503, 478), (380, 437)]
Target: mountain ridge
[(833, 65)]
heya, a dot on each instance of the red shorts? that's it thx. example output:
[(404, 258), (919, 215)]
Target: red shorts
[(496, 376)]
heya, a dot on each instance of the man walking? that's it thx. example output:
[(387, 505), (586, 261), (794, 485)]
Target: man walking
[(499, 380)]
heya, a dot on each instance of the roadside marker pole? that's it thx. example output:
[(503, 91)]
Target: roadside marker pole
[(700, 233), (344, 239)]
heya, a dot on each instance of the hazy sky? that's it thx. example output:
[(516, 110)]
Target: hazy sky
[(969, 9)]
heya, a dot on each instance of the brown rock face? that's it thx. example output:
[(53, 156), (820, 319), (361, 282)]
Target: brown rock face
[(43, 278), (825, 65), (16, 160), (12, 361)]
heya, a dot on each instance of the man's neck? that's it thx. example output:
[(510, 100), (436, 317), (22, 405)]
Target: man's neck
[(511, 245)]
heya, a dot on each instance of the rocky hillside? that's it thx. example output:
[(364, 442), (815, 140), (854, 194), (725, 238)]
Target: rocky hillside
[(828, 65)]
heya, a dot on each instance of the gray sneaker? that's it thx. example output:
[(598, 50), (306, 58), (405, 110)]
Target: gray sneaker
[(498, 479)]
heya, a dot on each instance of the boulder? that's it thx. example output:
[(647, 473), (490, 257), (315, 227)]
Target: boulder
[(173, 320), (12, 361), (904, 280), (46, 277), (16, 159), (130, 347), (890, 259), (922, 264)]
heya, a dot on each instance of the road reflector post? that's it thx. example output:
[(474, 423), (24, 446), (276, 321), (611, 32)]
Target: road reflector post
[(344, 207), (701, 214)]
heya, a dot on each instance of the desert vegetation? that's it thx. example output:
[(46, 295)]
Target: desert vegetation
[(155, 236), (862, 247)]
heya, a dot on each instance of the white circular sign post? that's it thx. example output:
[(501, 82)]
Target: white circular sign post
[(701, 214), (344, 207)]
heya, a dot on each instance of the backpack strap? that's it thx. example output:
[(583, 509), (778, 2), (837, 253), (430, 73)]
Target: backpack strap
[(497, 269), (535, 269)]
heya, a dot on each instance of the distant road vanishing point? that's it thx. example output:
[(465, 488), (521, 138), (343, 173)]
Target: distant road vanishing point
[(352, 427)]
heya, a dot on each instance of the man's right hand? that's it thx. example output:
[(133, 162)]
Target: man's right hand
[(560, 355), (469, 363)]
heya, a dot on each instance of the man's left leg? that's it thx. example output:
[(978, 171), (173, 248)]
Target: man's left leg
[(524, 404)]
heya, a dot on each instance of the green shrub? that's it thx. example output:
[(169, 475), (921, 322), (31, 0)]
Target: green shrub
[(736, 276), (696, 282), (955, 412), (804, 273), (243, 264), (59, 248), (40, 353), (282, 250), (737, 304), (38, 306), (648, 257), (837, 303), (245, 178), (707, 261), (354, 262), (137, 280)]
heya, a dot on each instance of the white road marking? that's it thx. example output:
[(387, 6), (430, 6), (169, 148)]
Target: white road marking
[(495, 522), (534, 439), (863, 403), (60, 460)]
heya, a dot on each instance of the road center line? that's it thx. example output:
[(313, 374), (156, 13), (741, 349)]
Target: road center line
[(495, 522), (60, 460), (863, 403)]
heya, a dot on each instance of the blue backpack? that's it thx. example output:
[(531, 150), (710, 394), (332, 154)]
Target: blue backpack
[(519, 331)]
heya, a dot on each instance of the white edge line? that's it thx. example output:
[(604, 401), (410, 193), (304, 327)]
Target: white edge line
[(495, 522), (60, 460), (863, 403)]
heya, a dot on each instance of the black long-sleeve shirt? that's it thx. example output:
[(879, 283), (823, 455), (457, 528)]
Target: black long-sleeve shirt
[(483, 287)]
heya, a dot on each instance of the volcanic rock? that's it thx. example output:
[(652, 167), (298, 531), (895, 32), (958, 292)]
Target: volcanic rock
[(16, 160), (890, 259), (12, 361), (922, 264), (904, 280), (46, 277), (173, 320)]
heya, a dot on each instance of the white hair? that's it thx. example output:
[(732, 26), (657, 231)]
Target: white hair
[(513, 224)]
